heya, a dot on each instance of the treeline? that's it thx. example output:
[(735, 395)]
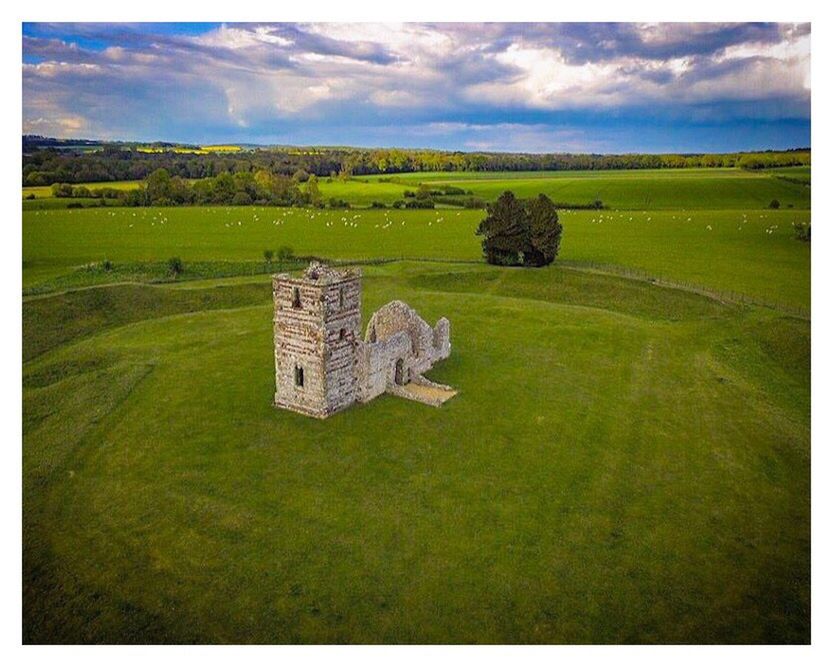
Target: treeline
[(239, 189), (244, 188), (44, 166), (263, 188)]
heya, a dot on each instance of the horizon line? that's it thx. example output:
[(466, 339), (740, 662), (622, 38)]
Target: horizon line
[(793, 149)]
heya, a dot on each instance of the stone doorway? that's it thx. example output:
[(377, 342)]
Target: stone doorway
[(399, 372)]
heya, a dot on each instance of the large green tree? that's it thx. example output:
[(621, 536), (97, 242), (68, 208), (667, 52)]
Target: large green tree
[(313, 191), (517, 232), (158, 185), (544, 232), (505, 230)]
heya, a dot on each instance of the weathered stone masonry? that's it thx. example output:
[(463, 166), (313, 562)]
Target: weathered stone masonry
[(321, 363)]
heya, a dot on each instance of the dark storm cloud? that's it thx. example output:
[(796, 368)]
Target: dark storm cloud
[(592, 42), (319, 44)]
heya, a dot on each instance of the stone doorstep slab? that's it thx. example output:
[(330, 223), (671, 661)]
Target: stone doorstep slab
[(433, 395)]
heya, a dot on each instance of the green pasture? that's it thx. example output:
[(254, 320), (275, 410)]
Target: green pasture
[(801, 174), (633, 189), (361, 191), (626, 461), (45, 191), (637, 189), (748, 252), (623, 463)]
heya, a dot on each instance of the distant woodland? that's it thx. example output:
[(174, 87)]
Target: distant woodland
[(47, 161)]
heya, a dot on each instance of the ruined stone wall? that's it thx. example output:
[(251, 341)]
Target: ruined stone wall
[(442, 339), (404, 335), (317, 329), (342, 324), (427, 345), (377, 361)]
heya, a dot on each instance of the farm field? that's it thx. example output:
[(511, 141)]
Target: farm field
[(748, 252), (624, 463), (636, 189), (796, 173), (357, 192), (629, 189), (45, 191), (202, 150)]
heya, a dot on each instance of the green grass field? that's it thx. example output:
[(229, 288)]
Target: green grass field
[(45, 191), (752, 253), (640, 189), (796, 174), (626, 461), (633, 189), (646, 479)]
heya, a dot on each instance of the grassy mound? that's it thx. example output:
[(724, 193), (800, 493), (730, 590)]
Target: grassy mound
[(57, 320), (623, 463)]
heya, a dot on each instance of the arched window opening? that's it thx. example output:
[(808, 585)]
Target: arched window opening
[(296, 297), (299, 376)]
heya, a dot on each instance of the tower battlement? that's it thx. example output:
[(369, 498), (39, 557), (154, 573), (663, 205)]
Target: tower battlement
[(317, 321)]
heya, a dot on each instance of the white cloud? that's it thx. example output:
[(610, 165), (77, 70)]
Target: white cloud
[(407, 39), (232, 37), (52, 69), (548, 80), (789, 60), (60, 127), (394, 98)]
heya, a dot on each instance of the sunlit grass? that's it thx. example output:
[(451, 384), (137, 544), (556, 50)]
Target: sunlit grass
[(749, 252)]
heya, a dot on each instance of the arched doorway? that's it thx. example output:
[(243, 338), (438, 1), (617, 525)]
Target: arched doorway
[(399, 372)]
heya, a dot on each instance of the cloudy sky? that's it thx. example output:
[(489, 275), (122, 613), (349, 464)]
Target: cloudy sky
[(581, 87)]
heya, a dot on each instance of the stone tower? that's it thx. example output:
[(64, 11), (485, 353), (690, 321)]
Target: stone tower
[(317, 322)]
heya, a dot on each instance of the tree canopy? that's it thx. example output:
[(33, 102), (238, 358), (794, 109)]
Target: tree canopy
[(520, 232)]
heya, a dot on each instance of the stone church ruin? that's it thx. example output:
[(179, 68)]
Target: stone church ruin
[(322, 365)]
